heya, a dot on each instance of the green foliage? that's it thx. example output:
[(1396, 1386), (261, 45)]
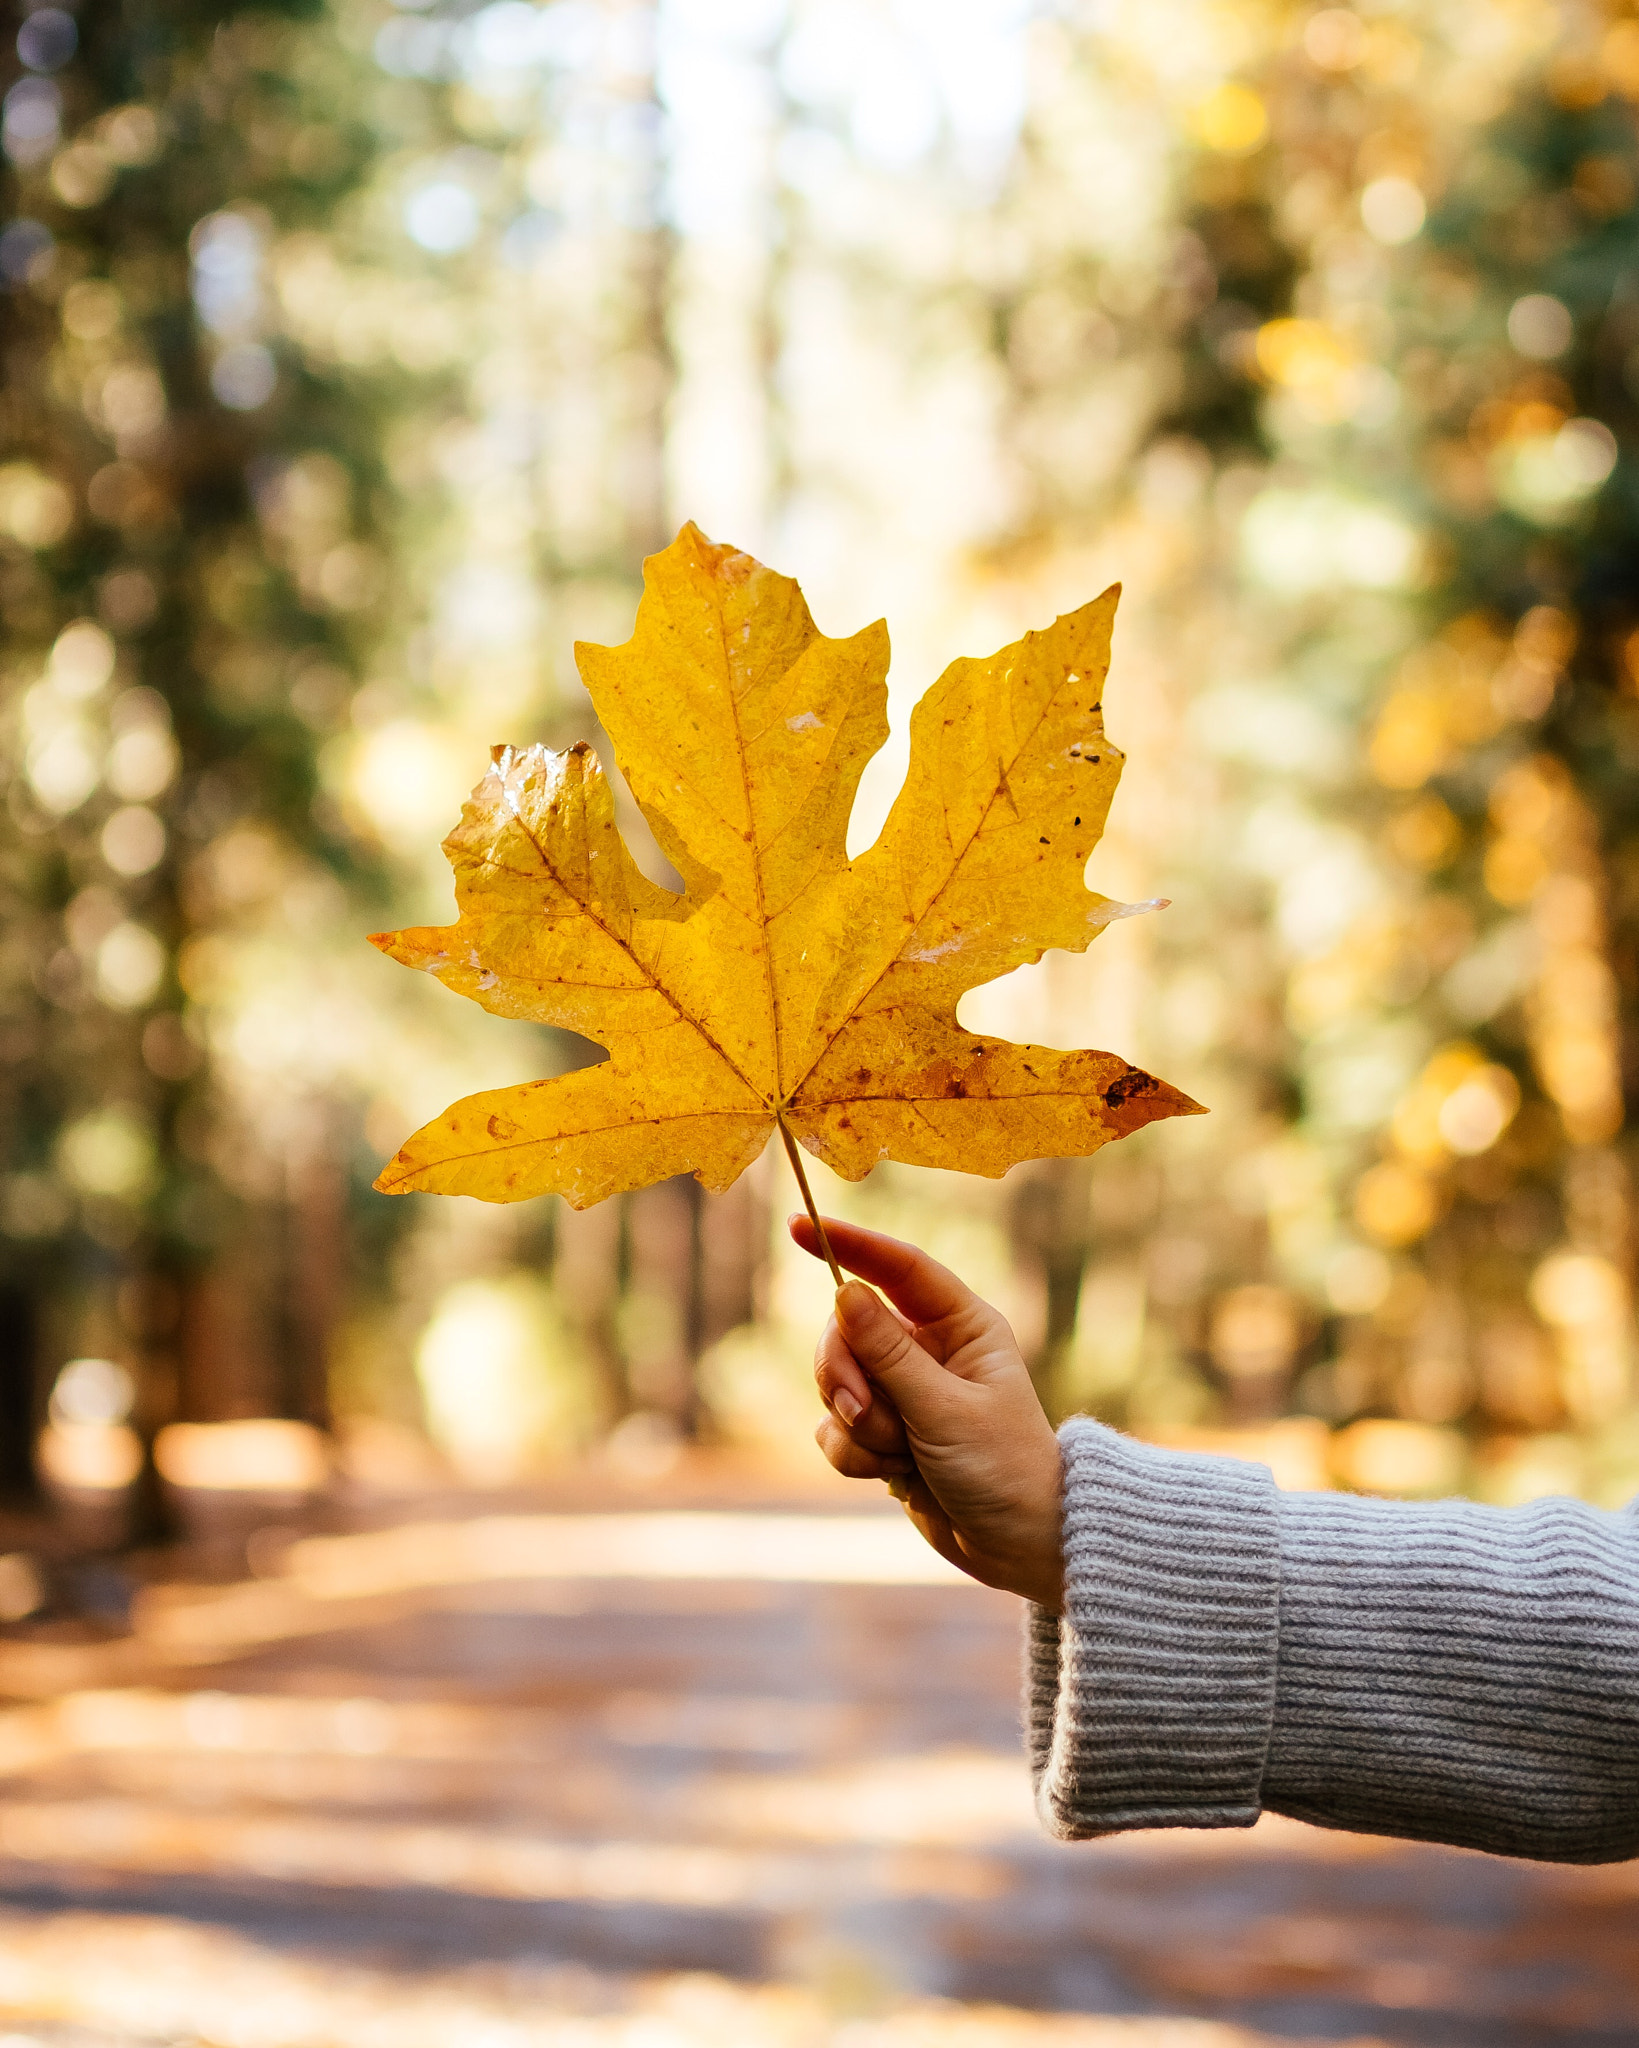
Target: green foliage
[(193, 564)]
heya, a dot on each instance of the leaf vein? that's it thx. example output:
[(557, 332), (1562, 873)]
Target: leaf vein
[(955, 868), (624, 946), (683, 1116)]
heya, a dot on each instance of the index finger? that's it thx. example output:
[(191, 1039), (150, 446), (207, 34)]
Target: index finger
[(919, 1287)]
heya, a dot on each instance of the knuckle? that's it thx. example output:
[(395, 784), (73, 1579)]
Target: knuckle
[(895, 1348)]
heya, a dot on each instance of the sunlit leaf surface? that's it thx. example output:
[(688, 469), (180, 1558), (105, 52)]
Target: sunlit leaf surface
[(785, 983)]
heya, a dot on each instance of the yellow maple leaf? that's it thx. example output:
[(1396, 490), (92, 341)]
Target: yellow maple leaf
[(787, 987)]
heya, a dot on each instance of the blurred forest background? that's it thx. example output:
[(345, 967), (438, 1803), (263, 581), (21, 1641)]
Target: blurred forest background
[(354, 358)]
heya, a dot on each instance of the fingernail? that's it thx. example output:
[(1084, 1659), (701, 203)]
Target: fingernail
[(846, 1406)]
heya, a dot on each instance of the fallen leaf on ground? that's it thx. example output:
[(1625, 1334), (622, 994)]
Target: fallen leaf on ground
[(786, 982)]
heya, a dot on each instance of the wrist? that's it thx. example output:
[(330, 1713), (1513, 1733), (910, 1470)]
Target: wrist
[(1043, 1578), (1041, 1523)]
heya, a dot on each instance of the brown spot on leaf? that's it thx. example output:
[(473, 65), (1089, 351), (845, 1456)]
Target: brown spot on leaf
[(1133, 1082)]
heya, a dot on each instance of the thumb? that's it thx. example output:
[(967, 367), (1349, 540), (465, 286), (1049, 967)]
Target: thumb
[(887, 1351)]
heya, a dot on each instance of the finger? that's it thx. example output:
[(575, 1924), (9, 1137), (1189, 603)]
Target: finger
[(852, 1460), (923, 1289), (930, 1521), (841, 1383), (880, 1427), (921, 1389)]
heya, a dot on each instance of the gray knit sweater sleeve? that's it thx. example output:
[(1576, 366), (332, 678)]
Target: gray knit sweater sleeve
[(1451, 1672)]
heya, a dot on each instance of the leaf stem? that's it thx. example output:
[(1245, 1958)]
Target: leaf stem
[(795, 1158)]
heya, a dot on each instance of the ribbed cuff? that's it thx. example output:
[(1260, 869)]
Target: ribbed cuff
[(1150, 1703), (1459, 1673)]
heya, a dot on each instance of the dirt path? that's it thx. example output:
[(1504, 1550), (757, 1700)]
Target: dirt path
[(496, 1782)]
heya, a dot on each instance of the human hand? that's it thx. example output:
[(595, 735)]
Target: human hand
[(933, 1396)]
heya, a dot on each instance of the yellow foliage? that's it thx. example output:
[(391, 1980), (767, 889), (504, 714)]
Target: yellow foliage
[(1460, 690), (1532, 798), (1619, 57), (1460, 1104), (1231, 119), (1426, 834), (1306, 355), (1395, 1203), (786, 985), (1410, 742), (1410, 1458)]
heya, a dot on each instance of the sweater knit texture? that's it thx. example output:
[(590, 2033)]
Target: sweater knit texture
[(1450, 1672)]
